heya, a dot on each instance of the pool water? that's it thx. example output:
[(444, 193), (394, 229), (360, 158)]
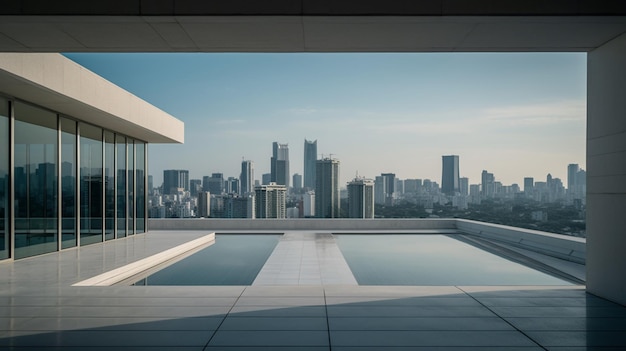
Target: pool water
[(233, 260), (402, 259)]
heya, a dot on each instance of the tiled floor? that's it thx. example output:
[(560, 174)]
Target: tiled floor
[(306, 258), (39, 310)]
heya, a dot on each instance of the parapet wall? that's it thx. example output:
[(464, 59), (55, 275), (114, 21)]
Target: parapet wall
[(212, 224), (556, 245)]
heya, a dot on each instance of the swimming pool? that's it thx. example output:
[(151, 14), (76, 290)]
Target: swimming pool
[(373, 259), (233, 260), (431, 260)]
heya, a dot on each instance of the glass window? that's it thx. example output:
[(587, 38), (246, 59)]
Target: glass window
[(4, 178), (120, 145), (131, 187), (91, 199), (109, 185), (68, 183), (140, 151), (35, 161)]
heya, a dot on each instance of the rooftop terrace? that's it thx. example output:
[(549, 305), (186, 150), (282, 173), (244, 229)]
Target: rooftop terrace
[(40, 307)]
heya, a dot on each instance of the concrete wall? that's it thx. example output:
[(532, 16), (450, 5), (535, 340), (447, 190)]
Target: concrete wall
[(301, 224), (555, 245), (606, 170)]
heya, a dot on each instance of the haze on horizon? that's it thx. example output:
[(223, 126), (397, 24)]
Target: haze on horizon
[(514, 114)]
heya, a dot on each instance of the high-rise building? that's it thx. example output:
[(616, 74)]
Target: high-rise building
[(399, 187), (239, 206), (247, 177), (204, 204), (529, 184), (297, 181), (217, 206), (308, 204), (361, 198), (195, 187), (464, 185), (231, 185), (412, 185), (450, 175), (572, 170), (280, 164), (327, 201), (213, 184), (390, 183), (271, 201), (380, 187), (488, 187), (174, 179), (266, 179), (310, 160)]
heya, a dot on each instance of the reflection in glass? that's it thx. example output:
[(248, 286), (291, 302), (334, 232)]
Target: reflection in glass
[(35, 161), (131, 187), (120, 146), (140, 186), (4, 179), (109, 185), (68, 183), (90, 184)]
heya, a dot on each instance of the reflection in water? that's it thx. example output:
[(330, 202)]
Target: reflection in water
[(232, 260), (431, 260)]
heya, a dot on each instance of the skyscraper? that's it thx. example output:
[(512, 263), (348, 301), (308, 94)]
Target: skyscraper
[(390, 184), (380, 187), (204, 204), (231, 185), (529, 184), (310, 159), (239, 206), (487, 184), (280, 164), (195, 187), (174, 179), (361, 198), (327, 202), (266, 178), (213, 184), (308, 204), (247, 177), (572, 170), (450, 175), (270, 201), (464, 185), (297, 181)]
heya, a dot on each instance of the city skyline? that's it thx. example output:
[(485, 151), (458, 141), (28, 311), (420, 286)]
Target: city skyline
[(376, 112)]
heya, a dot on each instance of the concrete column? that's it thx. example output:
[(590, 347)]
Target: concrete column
[(606, 171)]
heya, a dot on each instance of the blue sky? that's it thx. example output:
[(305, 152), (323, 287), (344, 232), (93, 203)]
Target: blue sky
[(515, 115)]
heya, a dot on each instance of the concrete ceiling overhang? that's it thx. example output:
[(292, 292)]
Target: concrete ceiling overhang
[(59, 84), (304, 33), (45, 26)]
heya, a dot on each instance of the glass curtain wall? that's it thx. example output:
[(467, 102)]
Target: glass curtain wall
[(72, 182), (140, 170), (109, 185), (120, 148), (4, 178), (91, 187), (68, 183), (35, 178), (131, 186)]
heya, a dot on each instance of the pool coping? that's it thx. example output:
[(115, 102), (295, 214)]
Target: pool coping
[(136, 268)]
